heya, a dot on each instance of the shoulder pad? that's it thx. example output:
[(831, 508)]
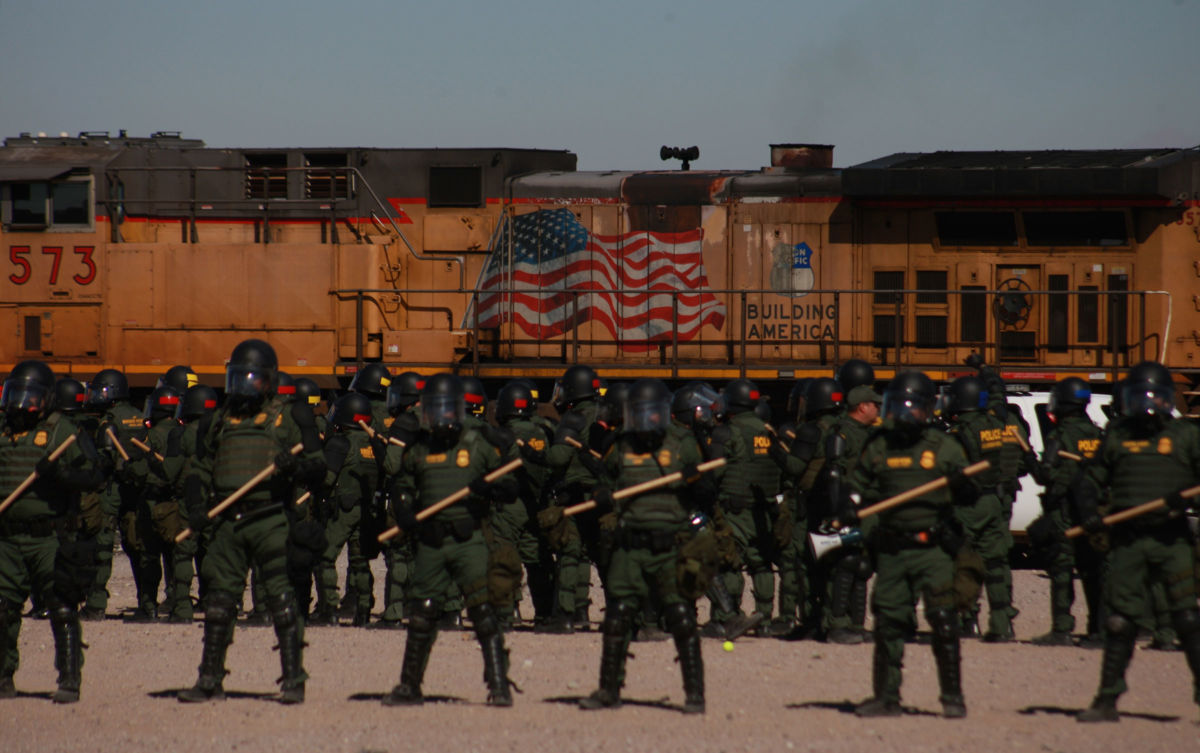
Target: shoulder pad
[(808, 432)]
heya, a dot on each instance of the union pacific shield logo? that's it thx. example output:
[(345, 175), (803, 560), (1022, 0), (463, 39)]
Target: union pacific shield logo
[(791, 269)]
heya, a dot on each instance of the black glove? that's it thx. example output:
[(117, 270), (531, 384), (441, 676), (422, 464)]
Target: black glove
[(530, 455), (480, 487), (194, 503), (691, 473), (1176, 502), (1093, 523), (962, 488), (604, 499), (777, 453), (45, 467), (379, 445), (974, 360), (847, 516), (285, 463)]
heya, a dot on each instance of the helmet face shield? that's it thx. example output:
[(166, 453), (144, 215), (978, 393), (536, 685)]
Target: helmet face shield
[(648, 416), (905, 408), (21, 396), (101, 395), (1148, 399), (443, 413)]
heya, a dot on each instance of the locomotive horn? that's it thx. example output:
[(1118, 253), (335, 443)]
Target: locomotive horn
[(821, 544)]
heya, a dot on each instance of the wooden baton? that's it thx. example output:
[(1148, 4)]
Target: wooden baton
[(645, 486), (371, 433), (579, 446), (917, 491), (28, 482), (112, 437), (241, 492), (144, 447), (442, 504), (1133, 512)]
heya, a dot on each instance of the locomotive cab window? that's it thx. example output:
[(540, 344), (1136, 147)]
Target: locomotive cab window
[(456, 186), (60, 205), (976, 228), (1075, 229)]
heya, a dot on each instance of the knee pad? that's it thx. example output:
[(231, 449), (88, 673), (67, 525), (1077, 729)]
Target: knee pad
[(423, 616), (483, 617), (680, 620), (1186, 621), (220, 607), (863, 570), (943, 622), (1120, 626), (849, 563), (284, 612), (617, 618), (63, 614)]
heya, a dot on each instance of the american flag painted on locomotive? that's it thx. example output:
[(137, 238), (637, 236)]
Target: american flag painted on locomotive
[(551, 251)]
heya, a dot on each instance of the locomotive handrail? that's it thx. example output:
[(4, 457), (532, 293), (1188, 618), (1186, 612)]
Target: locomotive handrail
[(1116, 345)]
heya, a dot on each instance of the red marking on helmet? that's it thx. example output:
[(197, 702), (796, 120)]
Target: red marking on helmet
[(837, 397), (753, 394), (168, 400), (361, 417), (420, 384), (473, 399), (520, 403), (79, 398), (596, 384), (209, 404), (287, 389)]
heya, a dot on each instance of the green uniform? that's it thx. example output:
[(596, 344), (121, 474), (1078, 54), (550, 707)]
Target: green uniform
[(31, 556), (1137, 463), (985, 522), (849, 567), (115, 498), (795, 455), (352, 480), (516, 524), (911, 562), (156, 516), (253, 531), (648, 559), (187, 554), (1079, 436)]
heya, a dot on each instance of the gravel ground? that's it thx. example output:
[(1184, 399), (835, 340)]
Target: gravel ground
[(764, 695)]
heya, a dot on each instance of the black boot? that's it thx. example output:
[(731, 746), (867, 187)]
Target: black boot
[(286, 617), (858, 606), (692, 665), (9, 612), (1119, 638), (495, 656), (68, 652), (878, 704), (218, 634), (362, 616), (614, 643), (948, 657), (422, 632), (1187, 625)]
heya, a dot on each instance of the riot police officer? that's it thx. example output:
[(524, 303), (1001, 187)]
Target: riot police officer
[(1146, 454), (254, 430)]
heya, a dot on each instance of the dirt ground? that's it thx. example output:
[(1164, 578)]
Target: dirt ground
[(764, 695)]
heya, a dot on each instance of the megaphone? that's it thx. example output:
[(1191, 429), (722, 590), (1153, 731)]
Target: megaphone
[(821, 544)]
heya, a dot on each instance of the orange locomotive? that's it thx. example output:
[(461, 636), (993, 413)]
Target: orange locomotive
[(139, 253)]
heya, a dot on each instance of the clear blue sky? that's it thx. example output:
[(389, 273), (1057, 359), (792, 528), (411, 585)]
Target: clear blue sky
[(613, 80)]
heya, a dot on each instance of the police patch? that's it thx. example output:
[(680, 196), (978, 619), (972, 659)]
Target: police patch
[(463, 459), (41, 438), (438, 458), (902, 461), (664, 457), (260, 419), (927, 459), (279, 421), (1164, 446)]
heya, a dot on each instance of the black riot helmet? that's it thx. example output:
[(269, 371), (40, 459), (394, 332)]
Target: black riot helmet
[(69, 395), (741, 395), (697, 404), (855, 373), (307, 391), (1069, 397), (474, 396), (349, 409), (163, 402), (577, 383), (251, 376), (611, 412), (108, 387), (648, 411), (180, 377), (442, 406), (966, 394), (515, 401), (1148, 391), (823, 395), (795, 401), (27, 393), (197, 402), (763, 411), (372, 380), (908, 399), (404, 392), (286, 387)]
